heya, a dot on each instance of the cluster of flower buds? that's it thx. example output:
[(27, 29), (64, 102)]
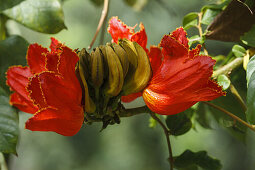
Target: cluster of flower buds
[(109, 72)]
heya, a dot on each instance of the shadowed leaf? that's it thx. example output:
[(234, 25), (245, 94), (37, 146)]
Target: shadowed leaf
[(12, 52), (179, 124), (229, 25), (201, 159), (9, 129), (6, 4)]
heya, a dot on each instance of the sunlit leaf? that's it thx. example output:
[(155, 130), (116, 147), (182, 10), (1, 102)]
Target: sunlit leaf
[(6, 4), (196, 39), (238, 51), (44, 16), (223, 81), (250, 76), (12, 52), (250, 69), (209, 15), (179, 124), (190, 20), (220, 6), (8, 125), (201, 159)]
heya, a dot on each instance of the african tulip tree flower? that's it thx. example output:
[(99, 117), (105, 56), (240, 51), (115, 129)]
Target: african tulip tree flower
[(181, 77), (49, 89)]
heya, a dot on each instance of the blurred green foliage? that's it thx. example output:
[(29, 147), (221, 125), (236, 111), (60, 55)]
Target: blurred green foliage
[(130, 145)]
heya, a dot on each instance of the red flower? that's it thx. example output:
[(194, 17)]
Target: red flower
[(181, 77), (49, 89)]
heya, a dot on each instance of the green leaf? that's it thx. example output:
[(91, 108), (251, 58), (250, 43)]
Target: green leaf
[(12, 52), (196, 39), (6, 4), (201, 159), (179, 124), (209, 15), (152, 122), (44, 16), (220, 6), (238, 51), (203, 117), (250, 113), (190, 20), (9, 129), (223, 81), (250, 69), (249, 37)]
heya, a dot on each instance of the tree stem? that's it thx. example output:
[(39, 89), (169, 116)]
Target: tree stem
[(134, 111), (199, 27), (101, 21), (167, 134), (228, 67), (231, 115)]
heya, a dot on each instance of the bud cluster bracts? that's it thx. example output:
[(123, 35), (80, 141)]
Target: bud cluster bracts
[(109, 72)]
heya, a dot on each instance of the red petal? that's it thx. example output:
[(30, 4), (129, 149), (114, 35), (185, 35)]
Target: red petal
[(131, 97), (17, 79), (155, 57), (55, 45), (172, 48), (118, 29), (164, 104), (67, 63), (180, 35), (22, 104), (141, 37), (36, 58), (35, 92), (52, 62), (210, 91), (66, 121), (59, 92), (194, 52)]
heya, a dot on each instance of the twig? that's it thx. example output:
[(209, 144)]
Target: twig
[(134, 111), (171, 160), (101, 21), (199, 27), (231, 115), (238, 97), (229, 67)]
